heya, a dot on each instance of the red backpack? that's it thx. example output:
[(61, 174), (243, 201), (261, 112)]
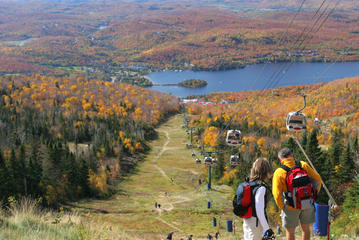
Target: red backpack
[(243, 202), (301, 192)]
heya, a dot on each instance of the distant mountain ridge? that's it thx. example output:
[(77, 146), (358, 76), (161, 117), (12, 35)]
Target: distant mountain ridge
[(243, 5)]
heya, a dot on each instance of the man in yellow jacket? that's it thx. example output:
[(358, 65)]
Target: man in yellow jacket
[(291, 216)]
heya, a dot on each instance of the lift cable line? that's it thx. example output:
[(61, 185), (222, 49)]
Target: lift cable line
[(272, 78), (276, 78), (305, 34), (300, 35), (272, 81), (305, 31), (284, 69), (280, 41), (333, 63)]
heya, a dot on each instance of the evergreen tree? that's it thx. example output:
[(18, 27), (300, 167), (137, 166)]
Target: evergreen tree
[(258, 152), (23, 166), (335, 152), (35, 171), (291, 144), (316, 155), (71, 171), (351, 202), (218, 170), (83, 178), (304, 139), (297, 153), (4, 179), (273, 157), (15, 173), (314, 152), (336, 148), (355, 148), (347, 165)]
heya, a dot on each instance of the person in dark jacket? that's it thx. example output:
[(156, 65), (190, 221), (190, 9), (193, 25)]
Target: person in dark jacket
[(169, 236)]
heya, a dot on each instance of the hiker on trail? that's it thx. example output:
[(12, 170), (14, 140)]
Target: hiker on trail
[(209, 236), (278, 230), (155, 204), (159, 205), (256, 227), (295, 209), (216, 235), (190, 237), (169, 236)]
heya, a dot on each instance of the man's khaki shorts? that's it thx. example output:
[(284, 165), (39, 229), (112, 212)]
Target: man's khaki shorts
[(291, 218)]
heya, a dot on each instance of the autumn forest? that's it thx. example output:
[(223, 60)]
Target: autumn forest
[(64, 40), (75, 120)]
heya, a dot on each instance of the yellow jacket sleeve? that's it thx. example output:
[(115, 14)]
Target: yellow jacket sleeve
[(312, 174), (278, 186)]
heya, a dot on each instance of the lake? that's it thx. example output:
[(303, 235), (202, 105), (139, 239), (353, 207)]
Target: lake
[(254, 77)]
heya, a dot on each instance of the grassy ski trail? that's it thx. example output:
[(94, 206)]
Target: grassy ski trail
[(170, 177)]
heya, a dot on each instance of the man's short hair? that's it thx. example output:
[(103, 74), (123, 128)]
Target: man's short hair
[(285, 153)]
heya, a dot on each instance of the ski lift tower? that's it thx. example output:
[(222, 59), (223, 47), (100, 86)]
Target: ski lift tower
[(208, 155)]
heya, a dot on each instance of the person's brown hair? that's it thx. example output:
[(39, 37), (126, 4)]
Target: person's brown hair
[(260, 169)]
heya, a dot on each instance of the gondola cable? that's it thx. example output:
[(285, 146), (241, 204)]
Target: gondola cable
[(271, 80)]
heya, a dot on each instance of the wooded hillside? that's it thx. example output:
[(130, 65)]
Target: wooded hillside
[(331, 141), (167, 36), (67, 138)]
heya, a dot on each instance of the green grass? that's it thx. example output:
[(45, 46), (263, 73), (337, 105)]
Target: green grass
[(25, 220), (184, 207)]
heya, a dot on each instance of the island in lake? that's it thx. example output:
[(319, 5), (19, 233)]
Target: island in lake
[(193, 83)]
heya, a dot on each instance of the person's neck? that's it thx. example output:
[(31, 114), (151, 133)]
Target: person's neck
[(287, 159)]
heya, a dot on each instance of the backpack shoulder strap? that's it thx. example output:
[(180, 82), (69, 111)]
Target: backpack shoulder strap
[(287, 169), (298, 164), (257, 184)]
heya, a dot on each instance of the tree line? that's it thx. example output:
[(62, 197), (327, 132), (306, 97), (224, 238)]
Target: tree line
[(60, 140)]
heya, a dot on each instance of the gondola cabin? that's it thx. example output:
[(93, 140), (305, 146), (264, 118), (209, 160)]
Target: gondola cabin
[(214, 162), (198, 161), (234, 160), (234, 138), (193, 154), (296, 121), (275, 93), (207, 160)]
